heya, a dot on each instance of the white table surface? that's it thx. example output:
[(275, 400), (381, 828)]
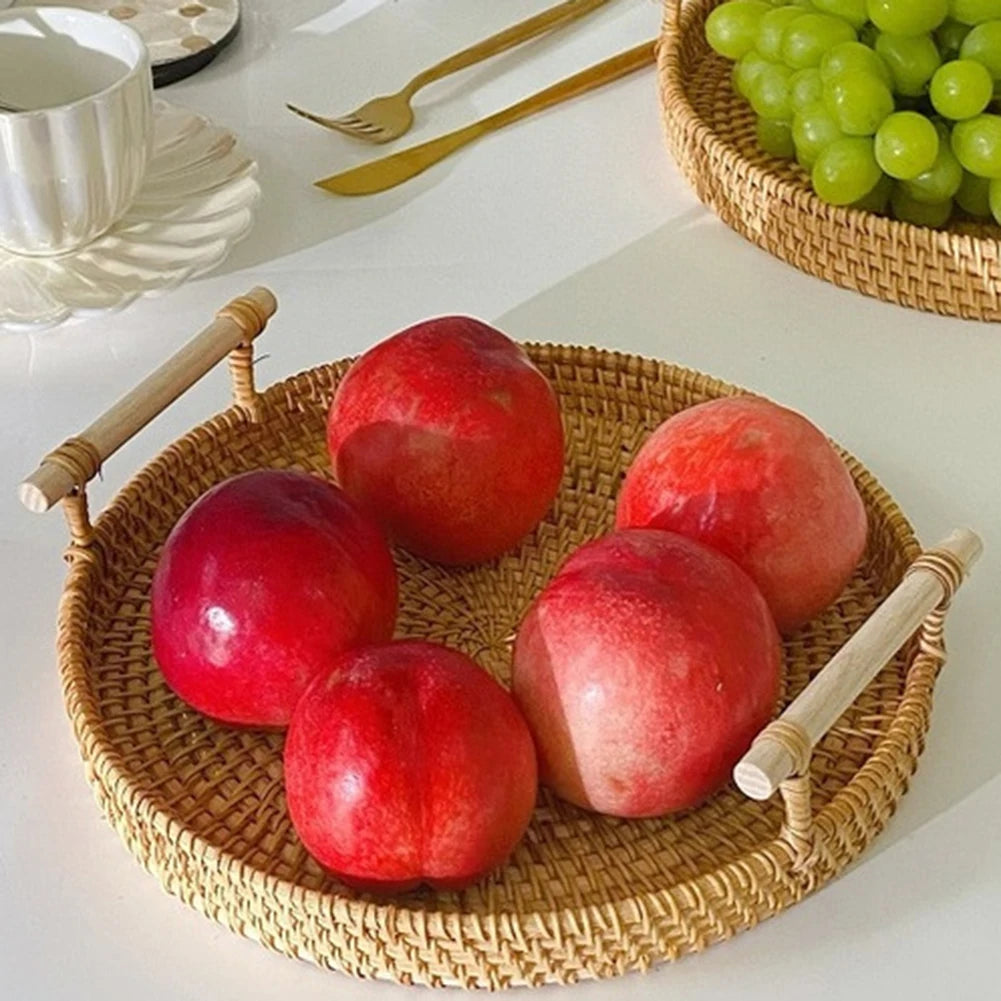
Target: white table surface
[(573, 226)]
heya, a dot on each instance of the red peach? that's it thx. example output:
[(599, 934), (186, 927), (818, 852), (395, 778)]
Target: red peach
[(451, 437), (407, 763), (645, 669), (265, 578), (761, 484)]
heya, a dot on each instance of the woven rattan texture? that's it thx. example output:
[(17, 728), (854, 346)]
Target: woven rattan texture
[(584, 896), (711, 133)]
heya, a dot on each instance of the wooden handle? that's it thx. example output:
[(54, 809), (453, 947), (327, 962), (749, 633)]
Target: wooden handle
[(545, 21), (78, 459), (929, 583)]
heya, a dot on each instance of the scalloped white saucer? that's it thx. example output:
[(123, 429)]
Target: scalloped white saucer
[(196, 202)]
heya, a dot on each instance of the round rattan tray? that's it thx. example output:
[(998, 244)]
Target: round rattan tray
[(201, 805), (711, 133)]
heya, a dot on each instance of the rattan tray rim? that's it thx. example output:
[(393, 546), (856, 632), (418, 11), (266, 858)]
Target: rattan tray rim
[(104, 756), (977, 295), (796, 866)]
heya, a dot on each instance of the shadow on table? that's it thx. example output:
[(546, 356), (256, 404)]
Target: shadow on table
[(695, 293), (331, 57)]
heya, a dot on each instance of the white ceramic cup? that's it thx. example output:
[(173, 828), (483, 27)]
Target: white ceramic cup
[(72, 161)]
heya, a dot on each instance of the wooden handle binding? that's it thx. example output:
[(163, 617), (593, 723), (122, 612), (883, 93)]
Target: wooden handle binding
[(783, 748), (71, 466)]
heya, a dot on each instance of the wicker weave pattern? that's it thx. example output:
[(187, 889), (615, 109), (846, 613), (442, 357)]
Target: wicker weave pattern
[(711, 133), (201, 806)]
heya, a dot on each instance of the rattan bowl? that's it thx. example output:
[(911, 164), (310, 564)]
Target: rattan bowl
[(711, 133), (201, 806)]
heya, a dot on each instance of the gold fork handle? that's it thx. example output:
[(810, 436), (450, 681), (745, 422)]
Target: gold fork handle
[(378, 175), (554, 17)]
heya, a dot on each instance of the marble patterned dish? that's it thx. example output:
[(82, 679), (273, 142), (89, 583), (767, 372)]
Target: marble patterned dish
[(182, 35), (196, 201)]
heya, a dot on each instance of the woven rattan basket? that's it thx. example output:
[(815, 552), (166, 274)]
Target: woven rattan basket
[(711, 133), (202, 807)]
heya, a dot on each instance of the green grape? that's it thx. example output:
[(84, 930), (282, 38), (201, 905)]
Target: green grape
[(878, 200), (949, 37), (977, 144), (807, 38), (995, 199), (732, 27), (942, 180), (771, 28), (852, 11), (746, 72), (845, 171), (813, 130), (973, 196), (805, 88), (906, 209), (770, 93), (859, 102), (855, 57), (906, 145), (961, 89), (907, 17), (912, 61), (983, 44), (776, 137), (974, 11)]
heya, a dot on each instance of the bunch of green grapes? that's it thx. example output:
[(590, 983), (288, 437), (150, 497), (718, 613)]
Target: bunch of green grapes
[(892, 105)]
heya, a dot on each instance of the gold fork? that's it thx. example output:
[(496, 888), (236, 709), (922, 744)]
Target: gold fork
[(378, 175), (385, 118)]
